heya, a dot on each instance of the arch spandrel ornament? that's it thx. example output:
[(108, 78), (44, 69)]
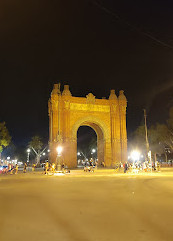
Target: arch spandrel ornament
[(105, 116)]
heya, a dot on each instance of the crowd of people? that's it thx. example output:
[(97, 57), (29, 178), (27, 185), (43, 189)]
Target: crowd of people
[(10, 169), (137, 167), (90, 166), (49, 168)]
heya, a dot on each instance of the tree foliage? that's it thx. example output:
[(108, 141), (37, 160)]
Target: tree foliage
[(160, 136), (36, 143), (5, 137)]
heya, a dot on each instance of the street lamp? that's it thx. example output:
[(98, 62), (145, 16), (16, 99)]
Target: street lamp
[(28, 151), (135, 155), (93, 151), (8, 158), (59, 151)]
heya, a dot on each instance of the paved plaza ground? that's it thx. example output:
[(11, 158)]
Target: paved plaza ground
[(99, 206)]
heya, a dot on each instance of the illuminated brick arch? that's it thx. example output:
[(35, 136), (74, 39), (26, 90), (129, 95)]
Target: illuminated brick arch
[(93, 122), (106, 116)]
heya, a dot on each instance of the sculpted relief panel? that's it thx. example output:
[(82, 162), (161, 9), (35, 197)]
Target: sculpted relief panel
[(90, 107)]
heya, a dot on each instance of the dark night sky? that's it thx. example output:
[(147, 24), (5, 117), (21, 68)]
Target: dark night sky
[(78, 43)]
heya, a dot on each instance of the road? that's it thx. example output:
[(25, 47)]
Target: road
[(86, 207)]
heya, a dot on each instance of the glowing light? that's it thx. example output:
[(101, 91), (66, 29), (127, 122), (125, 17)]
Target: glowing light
[(8, 157), (93, 150), (28, 150), (59, 174), (59, 150), (135, 155), (20, 163)]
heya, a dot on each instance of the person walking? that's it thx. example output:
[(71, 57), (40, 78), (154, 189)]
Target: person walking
[(125, 167), (24, 168), (12, 169), (33, 167), (9, 168), (63, 167), (16, 169), (53, 168), (46, 168), (96, 164)]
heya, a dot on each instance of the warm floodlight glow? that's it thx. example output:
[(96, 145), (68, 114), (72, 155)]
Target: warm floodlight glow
[(135, 155), (59, 150)]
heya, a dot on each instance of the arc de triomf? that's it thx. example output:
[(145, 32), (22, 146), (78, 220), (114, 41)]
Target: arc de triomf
[(106, 116)]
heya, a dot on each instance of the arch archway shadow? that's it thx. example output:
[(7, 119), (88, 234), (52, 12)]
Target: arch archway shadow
[(99, 141), (86, 145)]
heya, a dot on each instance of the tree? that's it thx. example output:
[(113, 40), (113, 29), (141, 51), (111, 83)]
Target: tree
[(156, 145), (36, 145), (170, 120), (5, 137), (138, 140), (154, 137), (160, 136)]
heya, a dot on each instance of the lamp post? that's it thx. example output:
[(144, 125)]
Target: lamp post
[(59, 152), (93, 151), (146, 131), (149, 156), (28, 151)]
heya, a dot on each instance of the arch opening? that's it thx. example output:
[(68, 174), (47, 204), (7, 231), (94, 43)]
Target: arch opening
[(90, 144)]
